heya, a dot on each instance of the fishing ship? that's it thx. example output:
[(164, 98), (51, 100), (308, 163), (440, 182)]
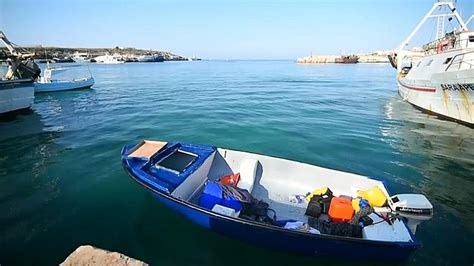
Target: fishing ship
[(16, 85), (439, 78), (347, 59)]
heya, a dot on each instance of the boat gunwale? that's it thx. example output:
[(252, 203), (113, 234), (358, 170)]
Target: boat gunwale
[(413, 245), (16, 83)]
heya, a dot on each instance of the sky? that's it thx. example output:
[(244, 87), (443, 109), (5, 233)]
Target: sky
[(219, 29)]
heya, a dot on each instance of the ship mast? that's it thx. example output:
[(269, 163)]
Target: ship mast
[(441, 20), (441, 17), (469, 20)]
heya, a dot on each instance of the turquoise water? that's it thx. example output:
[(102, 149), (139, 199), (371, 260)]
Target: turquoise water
[(62, 184)]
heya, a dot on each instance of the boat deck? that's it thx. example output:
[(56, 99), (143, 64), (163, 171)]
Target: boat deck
[(147, 149)]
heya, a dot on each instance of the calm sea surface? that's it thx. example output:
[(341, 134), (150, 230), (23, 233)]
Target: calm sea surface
[(62, 184)]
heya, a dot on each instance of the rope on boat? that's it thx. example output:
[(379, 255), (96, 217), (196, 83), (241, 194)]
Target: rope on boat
[(361, 213)]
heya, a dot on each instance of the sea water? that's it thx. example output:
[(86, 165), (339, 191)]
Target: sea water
[(62, 184)]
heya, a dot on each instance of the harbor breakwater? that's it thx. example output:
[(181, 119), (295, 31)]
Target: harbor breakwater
[(375, 57)]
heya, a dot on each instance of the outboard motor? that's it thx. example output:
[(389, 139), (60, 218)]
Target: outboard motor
[(415, 208)]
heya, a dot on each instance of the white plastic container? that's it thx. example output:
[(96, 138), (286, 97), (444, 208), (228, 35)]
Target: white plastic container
[(225, 210), (383, 231)]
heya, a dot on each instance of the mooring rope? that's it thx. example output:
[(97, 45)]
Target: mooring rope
[(361, 213)]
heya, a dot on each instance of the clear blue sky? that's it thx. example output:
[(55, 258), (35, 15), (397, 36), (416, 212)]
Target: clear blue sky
[(269, 29)]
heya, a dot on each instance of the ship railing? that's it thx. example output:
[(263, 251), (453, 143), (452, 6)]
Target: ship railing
[(445, 44), (461, 62)]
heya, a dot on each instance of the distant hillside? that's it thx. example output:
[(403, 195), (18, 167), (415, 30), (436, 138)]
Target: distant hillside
[(50, 52)]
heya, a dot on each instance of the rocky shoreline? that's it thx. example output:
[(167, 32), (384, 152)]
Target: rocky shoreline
[(61, 52)]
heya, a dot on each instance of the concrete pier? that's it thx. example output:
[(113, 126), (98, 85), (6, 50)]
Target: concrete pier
[(375, 57)]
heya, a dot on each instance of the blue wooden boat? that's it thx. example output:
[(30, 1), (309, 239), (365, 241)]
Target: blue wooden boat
[(180, 176)]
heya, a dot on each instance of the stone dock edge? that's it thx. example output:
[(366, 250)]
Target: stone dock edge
[(89, 255), (375, 57)]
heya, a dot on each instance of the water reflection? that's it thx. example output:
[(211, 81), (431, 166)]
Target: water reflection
[(25, 123), (441, 151), (28, 148)]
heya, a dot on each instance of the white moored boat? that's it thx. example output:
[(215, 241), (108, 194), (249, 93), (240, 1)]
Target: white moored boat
[(47, 84), (16, 86), (16, 95), (146, 58), (440, 79), (109, 59), (80, 57)]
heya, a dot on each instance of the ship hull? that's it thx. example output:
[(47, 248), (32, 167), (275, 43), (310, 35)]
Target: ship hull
[(16, 95), (451, 99)]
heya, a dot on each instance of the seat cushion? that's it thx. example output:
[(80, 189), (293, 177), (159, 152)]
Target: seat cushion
[(248, 172)]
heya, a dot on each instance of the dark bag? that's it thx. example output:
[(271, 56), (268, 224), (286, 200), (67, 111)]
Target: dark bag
[(314, 208), (258, 211), (338, 229), (257, 207), (319, 204)]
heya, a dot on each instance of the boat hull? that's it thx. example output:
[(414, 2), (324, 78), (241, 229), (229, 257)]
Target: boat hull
[(16, 96), (275, 238), (453, 100), (63, 85)]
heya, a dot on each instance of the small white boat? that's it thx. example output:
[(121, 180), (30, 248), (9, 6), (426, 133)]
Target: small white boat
[(80, 57), (194, 58), (46, 84), (109, 59), (146, 58)]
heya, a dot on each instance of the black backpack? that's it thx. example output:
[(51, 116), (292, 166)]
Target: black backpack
[(258, 210), (319, 204)]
